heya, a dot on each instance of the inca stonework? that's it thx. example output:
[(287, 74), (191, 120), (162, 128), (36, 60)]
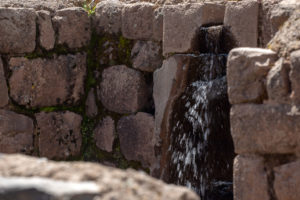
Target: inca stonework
[(107, 84)]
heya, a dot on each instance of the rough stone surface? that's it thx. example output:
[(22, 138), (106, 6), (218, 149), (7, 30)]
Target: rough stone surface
[(20, 188), (17, 30), (278, 82), (146, 56), (73, 27), (91, 108), (16, 133), (295, 76), (187, 18), (265, 129), (122, 90), (137, 21), (59, 134), (108, 16), (47, 82), (46, 31), (286, 39), (242, 20), (287, 181), (113, 183), (246, 71), (3, 87), (250, 178), (158, 21), (137, 138), (104, 134)]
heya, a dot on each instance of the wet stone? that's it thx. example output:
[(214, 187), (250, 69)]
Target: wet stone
[(16, 133), (59, 134), (44, 82), (17, 30)]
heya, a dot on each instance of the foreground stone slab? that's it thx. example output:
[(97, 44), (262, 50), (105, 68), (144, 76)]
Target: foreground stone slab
[(265, 129), (250, 178), (47, 82), (241, 18), (137, 139), (59, 134), (112, 183), (19, 188), (16, 133), (104, 134), (122, 90), (73, 27), (287, 181), (17, 30), (246, 71), (3, 87), (182, 21)]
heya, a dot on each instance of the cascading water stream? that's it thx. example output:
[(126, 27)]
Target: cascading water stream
[(201, 148)]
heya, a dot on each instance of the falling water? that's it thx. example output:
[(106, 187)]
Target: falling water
[(201, 149)]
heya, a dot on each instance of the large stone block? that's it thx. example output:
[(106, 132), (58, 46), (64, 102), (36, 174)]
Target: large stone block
[(108, 17), (123, 90), (73, 27), (241, 18), (137, 138), (59, 134), (47, 82), (17, 30), (104, 134), (146, 56), (265, 129), (158, 21), (250, 178), (182, 21), (137, 20), (295, 76), (3, 87), (16, 133), (287, 181), (46, 32), (246, 72)]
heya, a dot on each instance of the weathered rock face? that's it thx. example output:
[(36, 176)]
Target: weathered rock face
[(123, 90), (264, 129), (59, 134), (137, 138), (241, 18), (16, 133), (47, 82), (108, 17), (73, 27), (17, 30), (3, 87), (91, 108), (246, 71), (46, 31), (146, 56), (250, 171), (286, 39), (137, 21), (104, 134), (188, 18), (287, 181), (111, 183), (295, 76)]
